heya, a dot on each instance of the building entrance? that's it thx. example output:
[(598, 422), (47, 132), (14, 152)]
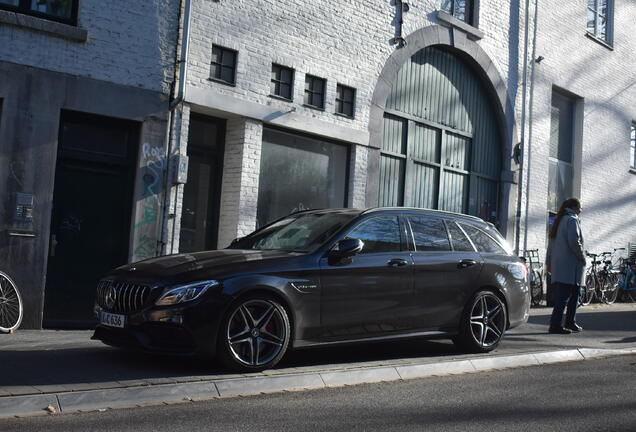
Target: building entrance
[(90, 222)]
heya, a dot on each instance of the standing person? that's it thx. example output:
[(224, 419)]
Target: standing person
[(566, 263)]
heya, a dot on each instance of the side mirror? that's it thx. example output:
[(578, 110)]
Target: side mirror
[(344, 250), (235, 241)]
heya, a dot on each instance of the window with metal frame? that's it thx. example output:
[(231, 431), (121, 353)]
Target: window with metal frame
[(223, 65), (64, 11), (632, 147), (600, 16), (458, 239), (345, 100), (315, 91), (460, 9), (560, 162), (282, 82)]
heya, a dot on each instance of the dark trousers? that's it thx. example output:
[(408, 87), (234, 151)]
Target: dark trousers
[(564, 294)]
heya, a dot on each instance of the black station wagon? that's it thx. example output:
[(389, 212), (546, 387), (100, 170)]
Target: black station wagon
[(321, 277)]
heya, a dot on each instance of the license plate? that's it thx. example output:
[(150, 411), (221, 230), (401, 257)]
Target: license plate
[(112, 320)]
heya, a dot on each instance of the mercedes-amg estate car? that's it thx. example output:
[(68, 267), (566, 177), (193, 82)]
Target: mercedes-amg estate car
[(321, 277)]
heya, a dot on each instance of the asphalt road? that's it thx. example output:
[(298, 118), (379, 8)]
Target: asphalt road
[(592, 395)]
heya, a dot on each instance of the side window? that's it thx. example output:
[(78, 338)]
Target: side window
[(483, 241), (379, 234), (458, 238), (429, 234)]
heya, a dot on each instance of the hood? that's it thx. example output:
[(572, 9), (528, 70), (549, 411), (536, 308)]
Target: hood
[(187, 267)]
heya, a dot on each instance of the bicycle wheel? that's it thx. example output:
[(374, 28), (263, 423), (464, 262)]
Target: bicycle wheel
[(587, 294), (536, 289), (610, 293), (10, 304)]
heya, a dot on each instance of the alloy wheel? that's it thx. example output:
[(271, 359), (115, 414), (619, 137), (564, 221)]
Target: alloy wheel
[(487, 320), (256, 332)]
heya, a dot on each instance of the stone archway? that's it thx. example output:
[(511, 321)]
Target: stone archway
[(482, 66)]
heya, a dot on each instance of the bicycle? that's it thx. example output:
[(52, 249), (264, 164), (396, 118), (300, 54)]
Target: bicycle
[(535, 273), (588, 292), (607, 287), (627, 275), (10, 305)]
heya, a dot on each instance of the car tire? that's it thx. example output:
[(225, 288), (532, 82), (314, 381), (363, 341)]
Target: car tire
[(254, 334), (481, 332)]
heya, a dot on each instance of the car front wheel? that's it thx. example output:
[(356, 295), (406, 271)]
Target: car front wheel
[(483, 323), (254, 334)]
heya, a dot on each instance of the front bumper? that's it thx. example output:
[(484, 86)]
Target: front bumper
[(182, 329)]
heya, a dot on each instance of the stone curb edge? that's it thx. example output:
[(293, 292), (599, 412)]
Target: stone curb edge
[(91, 400)]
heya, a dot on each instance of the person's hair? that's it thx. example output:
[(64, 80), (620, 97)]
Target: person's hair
[(570, 203)]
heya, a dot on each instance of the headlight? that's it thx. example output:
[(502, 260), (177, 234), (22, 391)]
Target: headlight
[(184, 293)]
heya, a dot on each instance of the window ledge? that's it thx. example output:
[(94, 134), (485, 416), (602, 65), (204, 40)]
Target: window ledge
[(282, 98), (599, 41), (220, 81), (317, 108), (347, 116), (52, 28), (474, 32)]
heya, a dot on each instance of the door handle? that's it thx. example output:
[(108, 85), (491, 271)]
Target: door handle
[(53, 245), (465, 263), (398, 262)]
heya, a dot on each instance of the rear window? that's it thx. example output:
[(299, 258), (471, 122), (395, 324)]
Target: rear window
[(483, 242), (429, 234), (458, 238)]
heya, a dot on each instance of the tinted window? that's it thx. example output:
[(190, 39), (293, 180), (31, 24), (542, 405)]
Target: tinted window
[(429, 234), (483, 241), (379, 234), (300, 233), (458, 238)]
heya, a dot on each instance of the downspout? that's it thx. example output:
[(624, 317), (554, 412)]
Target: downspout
[(521, 145), (530, 116), (174, 140)]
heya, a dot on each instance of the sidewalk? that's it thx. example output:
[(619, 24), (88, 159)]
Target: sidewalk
[(68, 371)]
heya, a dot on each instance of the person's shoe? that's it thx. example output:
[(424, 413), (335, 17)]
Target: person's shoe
[(559, 330), (574, 327)]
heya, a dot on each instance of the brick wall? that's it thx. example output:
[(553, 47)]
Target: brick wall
[(129, 42), (605, 80)]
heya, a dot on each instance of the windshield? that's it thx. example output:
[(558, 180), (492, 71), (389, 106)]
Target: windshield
[(298, 233)]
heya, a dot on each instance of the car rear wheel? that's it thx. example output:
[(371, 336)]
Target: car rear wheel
[(254, 334), (483, 323)]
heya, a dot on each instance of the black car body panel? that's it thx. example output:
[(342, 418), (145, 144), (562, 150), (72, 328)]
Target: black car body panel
[(399, 293)]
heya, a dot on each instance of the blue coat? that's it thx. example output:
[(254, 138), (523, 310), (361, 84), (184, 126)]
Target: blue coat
[(566, 252)]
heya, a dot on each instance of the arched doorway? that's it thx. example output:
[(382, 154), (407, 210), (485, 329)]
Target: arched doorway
[(441, 143)]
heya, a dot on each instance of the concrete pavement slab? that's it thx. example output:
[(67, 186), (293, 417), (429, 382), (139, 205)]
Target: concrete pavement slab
[(248, 386), (443, 368), (118, 398), (351, 377), (27, 405), (503, 362)]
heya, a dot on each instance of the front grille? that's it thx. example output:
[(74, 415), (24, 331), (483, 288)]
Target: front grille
[(121, 297)]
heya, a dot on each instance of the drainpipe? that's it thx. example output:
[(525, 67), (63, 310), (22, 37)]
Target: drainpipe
[(174, 140), (530, 116), (521, 148)]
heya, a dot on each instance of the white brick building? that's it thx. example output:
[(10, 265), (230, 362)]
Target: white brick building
[(356, 44)]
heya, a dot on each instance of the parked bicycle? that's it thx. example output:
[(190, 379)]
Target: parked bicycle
[(627, 275), (536, 275), (10, 304), (592, 279)]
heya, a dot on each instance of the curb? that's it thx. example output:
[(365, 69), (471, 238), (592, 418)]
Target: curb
[(90, 400)]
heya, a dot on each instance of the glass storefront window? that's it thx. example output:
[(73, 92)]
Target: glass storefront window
[(299, 173)]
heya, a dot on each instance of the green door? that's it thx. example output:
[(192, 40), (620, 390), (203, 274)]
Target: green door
[(441, 145)]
